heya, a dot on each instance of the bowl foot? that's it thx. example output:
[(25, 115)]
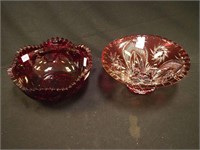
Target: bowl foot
[(139, 90)]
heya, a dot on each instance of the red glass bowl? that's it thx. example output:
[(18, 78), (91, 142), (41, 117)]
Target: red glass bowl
[(145, 62), (52, 70)]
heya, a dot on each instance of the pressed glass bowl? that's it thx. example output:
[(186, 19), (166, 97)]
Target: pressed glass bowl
[(145, 62), (52, 70)]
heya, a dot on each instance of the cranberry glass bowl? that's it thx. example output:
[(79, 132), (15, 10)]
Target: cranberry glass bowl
[(145, 62), (52, 70)]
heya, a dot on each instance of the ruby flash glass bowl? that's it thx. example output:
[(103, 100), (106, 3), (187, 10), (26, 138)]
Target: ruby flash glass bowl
[(52, 70), (145, 62)]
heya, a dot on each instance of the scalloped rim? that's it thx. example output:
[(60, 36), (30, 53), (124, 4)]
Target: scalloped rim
[(186, 60), (39, 47)]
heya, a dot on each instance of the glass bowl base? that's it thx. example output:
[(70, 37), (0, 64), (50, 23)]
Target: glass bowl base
[(139, 90)]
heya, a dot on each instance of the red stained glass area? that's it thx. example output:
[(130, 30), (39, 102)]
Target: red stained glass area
[(145, 62), (52, 70)]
